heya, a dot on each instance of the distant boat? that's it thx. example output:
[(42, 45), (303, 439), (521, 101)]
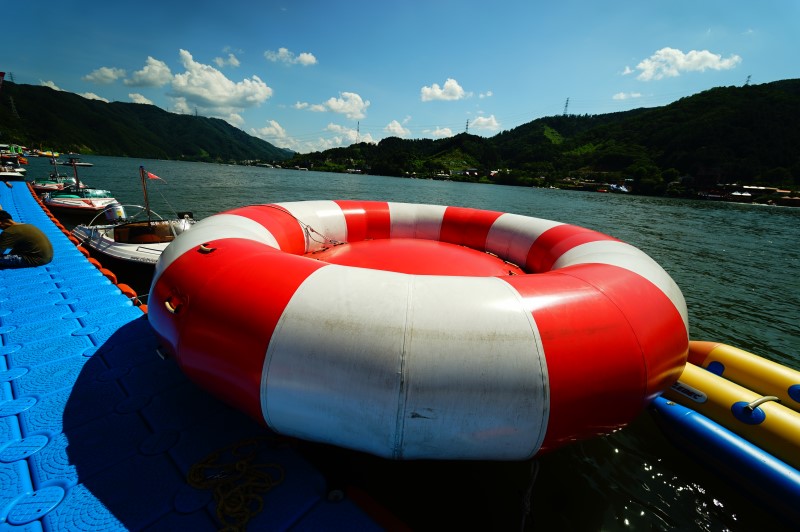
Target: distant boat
[(10, 173), (136, 239), (71, 161)]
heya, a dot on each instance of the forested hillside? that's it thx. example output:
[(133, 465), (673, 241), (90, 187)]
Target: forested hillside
[(746, 135), (40, 117)]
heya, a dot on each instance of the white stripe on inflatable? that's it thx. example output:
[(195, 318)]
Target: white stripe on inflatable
[(631, 258), (405, 366), (410, 220), (215, 227), (323, 216), (512, 235)]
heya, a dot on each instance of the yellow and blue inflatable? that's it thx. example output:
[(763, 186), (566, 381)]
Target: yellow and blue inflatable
[(740, 414)]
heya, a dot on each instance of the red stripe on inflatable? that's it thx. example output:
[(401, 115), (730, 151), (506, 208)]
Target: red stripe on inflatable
[(279, 222), (610, 337), (223, 324), (467, 227), (554, 242), (366, 219)]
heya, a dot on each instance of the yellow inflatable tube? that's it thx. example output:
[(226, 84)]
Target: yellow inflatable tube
[(755, 417), (748, 370)]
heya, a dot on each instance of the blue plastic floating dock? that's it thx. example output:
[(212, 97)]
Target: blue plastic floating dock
[(98, 432)]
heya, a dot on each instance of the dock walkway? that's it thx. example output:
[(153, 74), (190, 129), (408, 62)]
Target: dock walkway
[(99, 433)]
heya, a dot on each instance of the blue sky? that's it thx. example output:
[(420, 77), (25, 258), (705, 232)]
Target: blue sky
[(315, 74)]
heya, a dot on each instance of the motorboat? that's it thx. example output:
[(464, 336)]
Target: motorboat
[(79, 199), (53, 183), (72, 160), (10, 173), (75, 199), (134, 238)]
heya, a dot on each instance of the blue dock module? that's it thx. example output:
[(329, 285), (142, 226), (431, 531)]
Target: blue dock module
[(98, 432)]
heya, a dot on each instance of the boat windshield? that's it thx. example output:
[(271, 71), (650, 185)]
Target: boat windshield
[(95, 193)]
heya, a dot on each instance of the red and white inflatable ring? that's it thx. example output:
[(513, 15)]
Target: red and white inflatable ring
[(419, 331)]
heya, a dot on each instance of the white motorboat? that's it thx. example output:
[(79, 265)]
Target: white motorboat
[(130, 239), (53, 183), (137, 238), (78, 199)]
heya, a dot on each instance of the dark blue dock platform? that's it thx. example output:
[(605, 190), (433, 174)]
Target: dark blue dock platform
[(97, 432)]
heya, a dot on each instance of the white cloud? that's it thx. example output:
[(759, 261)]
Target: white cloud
[(487, 94), (105, 75), (272, 132), (626, 95), (306, 59), (396, 129), (49, 84), (181, 106), (93, 96), (155, 73), (451, 91), (349, 104), (275, 134), (489, 123), (440, 132), (230, 61), (205, 87), (669, 62), (283, 55), (138, 98), (234, 119)]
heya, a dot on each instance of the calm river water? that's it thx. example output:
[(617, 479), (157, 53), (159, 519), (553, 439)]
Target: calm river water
[(737, 266)]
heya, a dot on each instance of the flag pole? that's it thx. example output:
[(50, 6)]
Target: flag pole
[(144, 190)]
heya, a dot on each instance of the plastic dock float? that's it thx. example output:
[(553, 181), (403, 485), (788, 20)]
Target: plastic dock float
[(98, 432)]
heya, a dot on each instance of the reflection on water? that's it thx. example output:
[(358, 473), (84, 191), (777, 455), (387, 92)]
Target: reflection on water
[(737, 266)]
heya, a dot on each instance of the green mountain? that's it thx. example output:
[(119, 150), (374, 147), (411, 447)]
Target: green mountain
[(746, 135), (40, 117)]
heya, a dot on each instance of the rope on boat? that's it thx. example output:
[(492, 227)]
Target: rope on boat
[(238, 482)]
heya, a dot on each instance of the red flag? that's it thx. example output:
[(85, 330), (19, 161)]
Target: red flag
[(153, 176)]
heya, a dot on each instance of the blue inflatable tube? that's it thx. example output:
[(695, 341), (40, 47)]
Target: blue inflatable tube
[(775, 483)]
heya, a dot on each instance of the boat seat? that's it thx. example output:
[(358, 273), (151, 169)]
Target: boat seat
[(137, 234)]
